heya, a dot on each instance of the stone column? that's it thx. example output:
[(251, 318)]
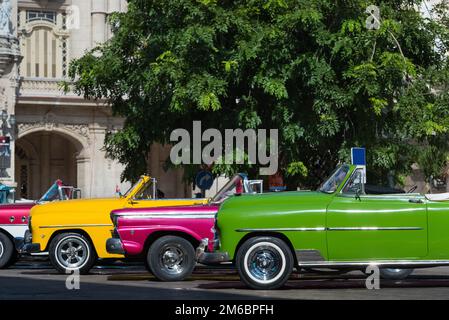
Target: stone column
[(9, 82), (99, 14), (83, 174)]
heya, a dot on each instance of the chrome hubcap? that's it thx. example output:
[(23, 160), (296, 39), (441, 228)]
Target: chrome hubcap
[(172, 259), (72, 253), (264, 263), (1, 249)]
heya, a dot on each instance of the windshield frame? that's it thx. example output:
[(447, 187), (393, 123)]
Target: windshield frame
[(151, 183), (333, 176), (220, 195), (133, 188)]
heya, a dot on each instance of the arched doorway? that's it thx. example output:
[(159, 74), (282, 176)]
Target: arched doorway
[(41, 158)]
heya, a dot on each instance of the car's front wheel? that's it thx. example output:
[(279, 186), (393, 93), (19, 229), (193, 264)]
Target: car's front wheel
[(171, 258), (7, 251), (395, 273), (72, 251), (264, 263)]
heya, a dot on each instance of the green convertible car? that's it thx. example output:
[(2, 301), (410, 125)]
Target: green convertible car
[(336, 227)]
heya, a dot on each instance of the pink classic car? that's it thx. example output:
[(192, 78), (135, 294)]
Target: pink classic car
[(14, 219), (166, 237)]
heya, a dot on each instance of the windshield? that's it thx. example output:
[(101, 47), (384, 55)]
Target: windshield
[(331, 184), (235, 185), (51, 194), (132, 188), (147, 192)]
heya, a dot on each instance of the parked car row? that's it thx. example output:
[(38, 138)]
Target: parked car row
[(265, 235)]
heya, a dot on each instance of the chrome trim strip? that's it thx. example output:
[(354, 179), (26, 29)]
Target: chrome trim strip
[(373, 228), (330, 229), (76, 226), (385, 263), (281, 229)]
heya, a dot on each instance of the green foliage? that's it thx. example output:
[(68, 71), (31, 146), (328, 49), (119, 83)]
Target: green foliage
[(296, 169), (309, 68)]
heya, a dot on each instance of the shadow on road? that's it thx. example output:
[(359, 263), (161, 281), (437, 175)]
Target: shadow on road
[(341, 283), (26, 288)]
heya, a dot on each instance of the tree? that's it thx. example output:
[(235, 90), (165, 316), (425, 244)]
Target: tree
[(314, 69)]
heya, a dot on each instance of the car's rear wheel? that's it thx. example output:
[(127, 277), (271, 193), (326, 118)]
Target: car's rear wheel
[(264, 263), (395, 273), (72, 251), (7, 251), (171, 258)]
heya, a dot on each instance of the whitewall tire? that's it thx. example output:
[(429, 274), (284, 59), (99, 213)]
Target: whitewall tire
[(264, 263)]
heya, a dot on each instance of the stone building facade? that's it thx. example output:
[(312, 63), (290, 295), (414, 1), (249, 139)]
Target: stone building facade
[(55, 135)]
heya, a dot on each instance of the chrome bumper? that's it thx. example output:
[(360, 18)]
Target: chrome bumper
[(210, 257), (114, 246)]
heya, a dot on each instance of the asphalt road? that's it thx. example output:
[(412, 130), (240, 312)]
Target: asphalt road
[(37, 280)]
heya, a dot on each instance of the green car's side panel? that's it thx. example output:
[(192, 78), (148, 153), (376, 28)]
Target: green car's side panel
[(438, 217), (376, 227), (342, 227), (276, 211)]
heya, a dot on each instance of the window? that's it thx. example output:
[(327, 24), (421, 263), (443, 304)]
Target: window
[(44, 43), (337, 177), (49, 16), (45, 54), (354, 183)]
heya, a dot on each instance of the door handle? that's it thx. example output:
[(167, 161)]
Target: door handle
[(415, 201)]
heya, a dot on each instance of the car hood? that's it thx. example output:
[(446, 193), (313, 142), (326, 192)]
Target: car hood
[(79, 206)]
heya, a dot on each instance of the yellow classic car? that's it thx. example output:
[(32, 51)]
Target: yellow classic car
[(74, 232)]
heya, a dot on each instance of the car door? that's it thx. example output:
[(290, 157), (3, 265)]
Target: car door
[(375, 227)]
